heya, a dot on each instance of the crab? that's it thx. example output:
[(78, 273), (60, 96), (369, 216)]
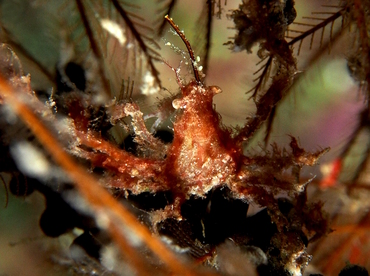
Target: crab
[(203, 155)]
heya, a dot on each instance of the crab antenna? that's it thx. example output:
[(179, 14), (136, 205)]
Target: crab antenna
[(187, 44)]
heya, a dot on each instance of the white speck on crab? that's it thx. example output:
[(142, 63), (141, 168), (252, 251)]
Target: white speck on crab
[(200, 68), (215, 181), (226, 159), (198, 59), (134, 172), (168, 44)]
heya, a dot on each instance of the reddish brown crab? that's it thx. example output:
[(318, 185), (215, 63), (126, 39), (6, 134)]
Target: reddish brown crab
[(204, 154)]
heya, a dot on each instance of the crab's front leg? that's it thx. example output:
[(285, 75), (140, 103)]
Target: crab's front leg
[(149, 145), (126, 171)]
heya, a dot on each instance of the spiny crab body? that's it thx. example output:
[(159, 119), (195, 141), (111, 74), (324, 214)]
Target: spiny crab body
[(203, 155)]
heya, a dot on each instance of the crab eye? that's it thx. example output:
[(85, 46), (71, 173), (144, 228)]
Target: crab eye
[(215, 90)]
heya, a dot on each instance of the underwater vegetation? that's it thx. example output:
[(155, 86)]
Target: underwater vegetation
[(238, 148)]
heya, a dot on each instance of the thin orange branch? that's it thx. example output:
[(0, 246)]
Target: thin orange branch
[(130, 253)]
